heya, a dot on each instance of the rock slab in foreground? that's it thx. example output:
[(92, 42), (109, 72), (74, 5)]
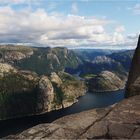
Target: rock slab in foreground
[(119, 121)]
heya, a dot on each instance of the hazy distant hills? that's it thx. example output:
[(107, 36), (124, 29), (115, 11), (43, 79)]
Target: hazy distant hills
[(100, 60), (124, 58), (90, 54), (111, 63)]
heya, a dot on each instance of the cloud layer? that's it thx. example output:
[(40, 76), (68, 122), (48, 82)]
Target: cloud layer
[(40, 28)]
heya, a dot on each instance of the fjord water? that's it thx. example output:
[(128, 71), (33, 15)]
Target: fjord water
[(86, 102)]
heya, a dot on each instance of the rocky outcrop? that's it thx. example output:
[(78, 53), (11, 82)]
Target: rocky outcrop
[(67, 89), (120, 121), (11, 54), (102, 60), (133, 84), (105, 81), (55, 79), (6, 68), (24, 93), (46, 97)]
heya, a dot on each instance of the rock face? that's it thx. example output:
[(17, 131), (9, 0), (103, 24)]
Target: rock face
[(24, 93), (34, 59), (11, 54), (133, 84), (18, 93), (46, 96), (105, 81), (6, 68), (121, 121), (50, 59), (55, 79), (102, 59)]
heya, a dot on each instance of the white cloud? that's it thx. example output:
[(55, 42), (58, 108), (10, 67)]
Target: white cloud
[(37, 27), (120, 29)]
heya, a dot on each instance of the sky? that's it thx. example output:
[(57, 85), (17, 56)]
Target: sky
[(105, 24)]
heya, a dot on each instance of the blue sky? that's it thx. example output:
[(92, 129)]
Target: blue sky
[(113, 24)]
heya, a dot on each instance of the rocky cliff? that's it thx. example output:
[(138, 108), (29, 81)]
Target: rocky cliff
[(24, 93), (133, 84), (41, 60), (105, 81), (11, 53), (47, 60)]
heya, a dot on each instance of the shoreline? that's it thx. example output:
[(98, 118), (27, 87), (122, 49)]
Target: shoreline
[(104, 91), (43, 113)]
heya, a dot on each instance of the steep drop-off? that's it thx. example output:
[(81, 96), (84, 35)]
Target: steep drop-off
[(24, 93), (120, 121), (133, 84)]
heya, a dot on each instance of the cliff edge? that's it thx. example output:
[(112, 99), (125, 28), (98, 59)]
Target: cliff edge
[(133, 84)]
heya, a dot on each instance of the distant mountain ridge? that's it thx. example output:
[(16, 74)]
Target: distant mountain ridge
[(86, 62), (40, 60), (117, 63)]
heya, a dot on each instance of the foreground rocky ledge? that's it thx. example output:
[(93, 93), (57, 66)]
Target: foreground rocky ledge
[(121, 120)]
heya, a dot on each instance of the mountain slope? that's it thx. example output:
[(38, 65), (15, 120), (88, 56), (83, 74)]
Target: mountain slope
[(105, 81), (24, 93), (124, 58), (40, 60)]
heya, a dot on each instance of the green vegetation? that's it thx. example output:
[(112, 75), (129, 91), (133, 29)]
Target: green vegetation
[(17, 95), (88, 76), (59, 94), (47, 60)]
